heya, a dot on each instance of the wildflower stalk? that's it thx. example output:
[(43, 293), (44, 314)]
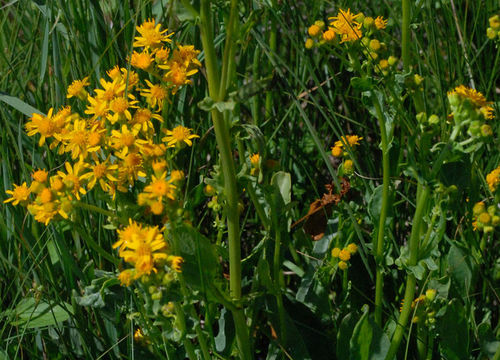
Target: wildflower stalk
[(411, 281), (379, 249), (217, 91), (405, 41), (272, 48)]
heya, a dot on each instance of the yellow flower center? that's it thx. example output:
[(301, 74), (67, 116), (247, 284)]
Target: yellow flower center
[(160, 187), (142, 115), (40, 176), (158, 92), (21, 193), (94, 138), (144, 263), (99, 170), (46, 127), (180, 133), (46, 196), (127, 139), (79, 137), (119, 105)]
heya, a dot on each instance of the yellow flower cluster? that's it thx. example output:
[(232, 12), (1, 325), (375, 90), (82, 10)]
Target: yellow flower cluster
[(113, 144), (493, 179), (344, 255), (485, 219), (470, 107), (345, 27), (145, 248), (338, 150), (493, 31)]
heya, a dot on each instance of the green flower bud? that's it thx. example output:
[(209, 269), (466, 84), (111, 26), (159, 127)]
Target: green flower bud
[(434, 119)]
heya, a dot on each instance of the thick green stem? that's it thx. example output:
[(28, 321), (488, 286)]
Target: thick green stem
[(411, 280), (217, 89), (405, 41), (379, 249)]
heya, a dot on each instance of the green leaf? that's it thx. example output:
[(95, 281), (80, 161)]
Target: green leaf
[(19, 105), (283, 182), (225, 337), (368, 341), (208, 104), (460, 269), (361, 84), (344, 335), (454, 332), (200, 260), (31, 313)]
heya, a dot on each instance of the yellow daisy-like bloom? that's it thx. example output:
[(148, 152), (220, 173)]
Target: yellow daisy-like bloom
[(177, 176), (161, 187), (77, 140), (72, 179), (126, 278), (125, 140), (157, 207), (142, 60), (101, 172), (178, 75), (110, 90), (155, 95), (380, 23), (335, 252), (98, 108), (77, 89), (43, 125), (114, 73), (493, 179), (142, 118), (329, 35), (161, 55), (40, 175), (20, 194), (145, 251), (179, 135), (151, 35), (125, 235), (130, 168), (474, 96), (351, 140), (346, 26), (185, 55), (120, 107)]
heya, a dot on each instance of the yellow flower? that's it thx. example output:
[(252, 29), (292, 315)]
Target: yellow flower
[(142, 60), (155, 95), (343, 265), (73, 180), (487, 112), (337, 151), (77, 88), (179, 135), (125, 235), (346, 26), (120, 108), (255, 160), (151, 35), (126, 278), (177, 176), (352, 248), (161, 187), (40, 175), (98, 108), (77, 140), (124, 139), (186, 56), (142, 118), (380, 23), (161, 55), (494, 22), (344, 255), (43, 125), (145, 251), (177, 75), (175, 262), (474, 96), (329, 35), (313, 30), (309, 43), (130, 168), (110, 90), (101, 171), (335, 252), (20, 194), (493, 179)]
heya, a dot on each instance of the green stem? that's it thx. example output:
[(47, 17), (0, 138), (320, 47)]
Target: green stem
[(430, 347), (272, 47), (421, 341), (405, 41), (379, 282), (497, 354), (411, 280), (181, 323), (228, 168), (277, 267), (94, 208)]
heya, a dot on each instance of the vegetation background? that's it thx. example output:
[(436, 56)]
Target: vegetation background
[(300, 100)]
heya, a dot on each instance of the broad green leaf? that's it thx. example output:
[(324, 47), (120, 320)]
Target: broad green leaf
[(283, 181), (344, 335), (368, 341), (454, 332), (31, 313), (19, 105), (460, 269)]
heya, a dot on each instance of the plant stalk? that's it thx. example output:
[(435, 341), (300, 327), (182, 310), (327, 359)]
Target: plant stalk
[(215, 89), (411, 280), (379, 249), (405, 41)]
